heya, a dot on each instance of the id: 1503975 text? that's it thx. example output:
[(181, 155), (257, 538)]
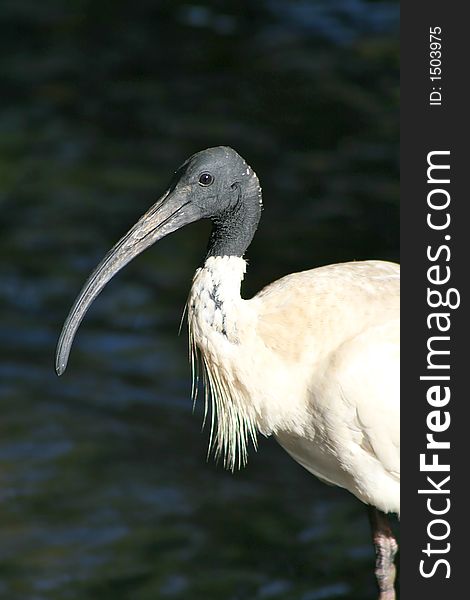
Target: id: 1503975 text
[(435, 66)]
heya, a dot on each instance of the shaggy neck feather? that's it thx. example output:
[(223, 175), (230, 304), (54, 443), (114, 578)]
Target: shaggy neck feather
[(213, 307)]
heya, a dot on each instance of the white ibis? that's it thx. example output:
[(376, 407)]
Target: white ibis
[(312, 359)]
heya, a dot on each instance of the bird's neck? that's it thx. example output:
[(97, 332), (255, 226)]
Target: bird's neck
[(234, 228), (215, 296)]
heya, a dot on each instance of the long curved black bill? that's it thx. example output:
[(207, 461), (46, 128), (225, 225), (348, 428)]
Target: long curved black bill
[(170, 213)]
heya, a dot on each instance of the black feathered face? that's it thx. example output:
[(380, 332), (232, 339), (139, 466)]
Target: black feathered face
[(213, 180)]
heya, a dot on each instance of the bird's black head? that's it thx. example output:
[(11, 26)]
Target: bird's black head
[(214, 184), (219, 185)]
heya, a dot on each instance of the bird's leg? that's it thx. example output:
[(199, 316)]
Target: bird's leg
[(385, 549)]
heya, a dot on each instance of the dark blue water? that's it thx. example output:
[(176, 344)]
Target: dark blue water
[(105, 489)]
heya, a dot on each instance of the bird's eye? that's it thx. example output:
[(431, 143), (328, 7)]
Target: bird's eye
[(206, 179)]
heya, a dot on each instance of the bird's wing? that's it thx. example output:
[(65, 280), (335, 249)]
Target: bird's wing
[(367, 370), (337, 328), (308, 314)]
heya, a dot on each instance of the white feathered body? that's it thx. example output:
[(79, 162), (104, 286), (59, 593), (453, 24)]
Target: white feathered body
[(312, 359)]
